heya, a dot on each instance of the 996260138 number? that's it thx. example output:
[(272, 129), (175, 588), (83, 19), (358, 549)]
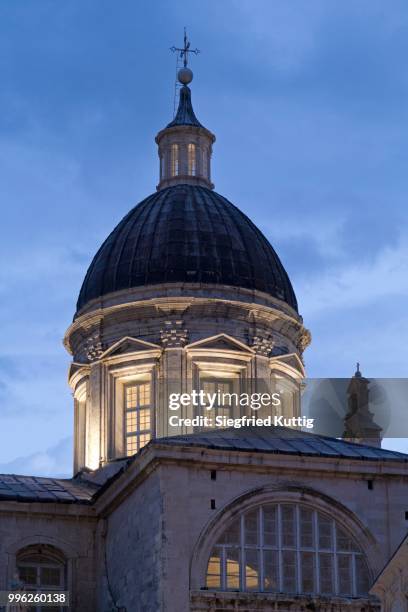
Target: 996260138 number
[(27, 598)]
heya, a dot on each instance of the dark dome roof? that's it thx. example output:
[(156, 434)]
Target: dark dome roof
[(186, 234), (185, 114)]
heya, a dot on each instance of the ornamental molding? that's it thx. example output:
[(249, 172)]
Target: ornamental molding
[(173, 334), (173, 310), (265, 602), (289, 364), (127, 345), (262, 345), (93, 346), (78, 372), (221, 343), (265, 308), (303, 340)]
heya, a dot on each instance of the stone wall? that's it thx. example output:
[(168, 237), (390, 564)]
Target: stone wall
[(69, 529), (130, 575), (391, 586), (376, 515), (144, 545), (160, 536)]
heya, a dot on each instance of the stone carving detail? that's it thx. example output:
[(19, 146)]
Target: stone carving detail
[(94, 347), (304, 339), (173, 335), (262, 346)]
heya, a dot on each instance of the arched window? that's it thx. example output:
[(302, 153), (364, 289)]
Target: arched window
[(42, 568), (174, 160), (191, 159), (287, 548)]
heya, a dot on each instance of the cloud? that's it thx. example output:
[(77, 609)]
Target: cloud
[(357, 283), (306, 99), (55, 461)]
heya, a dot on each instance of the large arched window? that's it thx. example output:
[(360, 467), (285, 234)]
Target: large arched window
[(42, 569), (287, 548)]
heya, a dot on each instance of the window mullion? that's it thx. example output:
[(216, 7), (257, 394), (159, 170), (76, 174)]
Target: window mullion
[(242, 580), (316, 545), (334, 550), (137, 432), (280, 560), (353, 575), (298, 553), (261, 549), (223, 569)]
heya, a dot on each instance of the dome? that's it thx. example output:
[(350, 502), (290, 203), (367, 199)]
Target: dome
[(186, 234)]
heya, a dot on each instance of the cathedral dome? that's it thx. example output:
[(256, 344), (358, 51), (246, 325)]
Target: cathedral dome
[(186, 234)]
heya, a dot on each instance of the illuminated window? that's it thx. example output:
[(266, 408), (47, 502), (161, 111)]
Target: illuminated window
[(174, 159), (41, 569), (191, 159), (222, 390), (287, 548), (138, 426), (205, 162)]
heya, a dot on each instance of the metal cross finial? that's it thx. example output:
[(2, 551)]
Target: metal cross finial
[(185, 50)]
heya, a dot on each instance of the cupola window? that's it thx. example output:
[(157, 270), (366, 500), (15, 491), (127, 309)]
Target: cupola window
[(191, 159), (222, 390), (204, 164), (138, 416), (174, 160)]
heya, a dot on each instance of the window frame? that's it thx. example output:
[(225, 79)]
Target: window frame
[(137, 383), (204, 162), (191, 159), (219, 378), (48, 558), (298, 549), (118, 371), (175, 160)]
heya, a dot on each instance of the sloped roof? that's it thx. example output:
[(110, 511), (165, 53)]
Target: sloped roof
[(38, 489), (185, 114), (282, 440), (83, 488)]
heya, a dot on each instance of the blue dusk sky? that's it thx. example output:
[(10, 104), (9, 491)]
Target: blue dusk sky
[(309, 103)]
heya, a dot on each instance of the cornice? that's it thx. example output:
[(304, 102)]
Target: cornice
[(65, 511), (269, 312), (297, 466)]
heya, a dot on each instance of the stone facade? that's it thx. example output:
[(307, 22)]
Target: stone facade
[(170, 334), (143, 544), (70, 530), (391, 585)]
